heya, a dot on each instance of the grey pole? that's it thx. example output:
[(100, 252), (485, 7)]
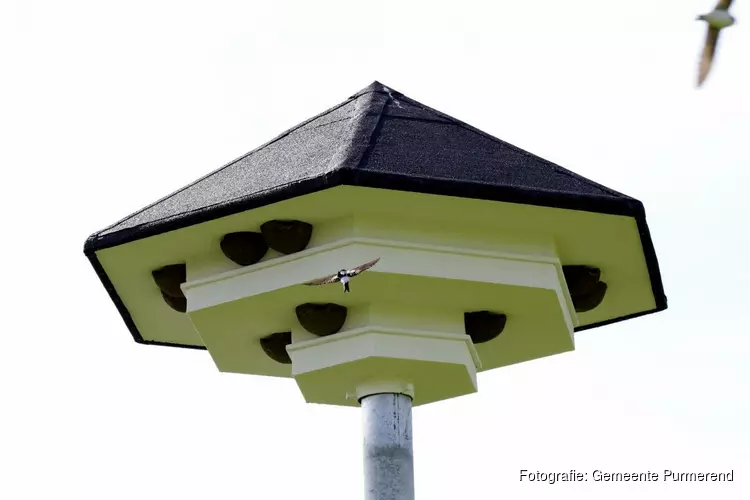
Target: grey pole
[(389, 460)]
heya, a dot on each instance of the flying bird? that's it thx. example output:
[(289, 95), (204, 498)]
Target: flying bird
[(717, 20), (344, 275)]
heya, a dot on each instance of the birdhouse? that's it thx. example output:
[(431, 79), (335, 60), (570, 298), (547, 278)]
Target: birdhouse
[(485, 256)]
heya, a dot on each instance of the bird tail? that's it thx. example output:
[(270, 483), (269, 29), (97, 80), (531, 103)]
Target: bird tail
[(346, 287)]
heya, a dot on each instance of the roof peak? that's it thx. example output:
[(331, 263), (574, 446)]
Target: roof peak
[(376, 86)]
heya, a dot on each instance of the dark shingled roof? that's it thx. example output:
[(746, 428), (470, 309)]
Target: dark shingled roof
[(376, 138)]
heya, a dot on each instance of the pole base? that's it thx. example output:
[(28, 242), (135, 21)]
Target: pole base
[(372, 388)]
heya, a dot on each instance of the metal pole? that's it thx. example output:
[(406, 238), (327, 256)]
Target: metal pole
[(389, 459)]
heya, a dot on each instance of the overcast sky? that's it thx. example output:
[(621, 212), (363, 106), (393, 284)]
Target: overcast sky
[(107, 106)]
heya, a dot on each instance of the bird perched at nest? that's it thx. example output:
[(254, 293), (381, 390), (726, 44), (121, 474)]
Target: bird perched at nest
[(344, 275), (717, 20)]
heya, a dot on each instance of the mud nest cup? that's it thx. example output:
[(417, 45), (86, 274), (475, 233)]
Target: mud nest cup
[(585, 286), (321, 319), (244, 248), (168, 279), (287, 236), (274, 346), (483, 326)]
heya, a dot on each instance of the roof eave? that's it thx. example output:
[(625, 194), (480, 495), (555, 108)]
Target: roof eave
[(371, 179)]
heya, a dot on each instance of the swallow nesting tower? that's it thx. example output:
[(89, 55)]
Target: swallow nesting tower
[(489, 256)]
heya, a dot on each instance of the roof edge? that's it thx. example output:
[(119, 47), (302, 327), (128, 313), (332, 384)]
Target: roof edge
[(115, 297), (652, 262), (351, 176)]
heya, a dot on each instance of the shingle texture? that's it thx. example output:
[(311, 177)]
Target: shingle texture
[(377, 137)]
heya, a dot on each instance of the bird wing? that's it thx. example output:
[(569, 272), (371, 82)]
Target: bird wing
[(723, 4), (360, 269), (707, 58), (334, 278)]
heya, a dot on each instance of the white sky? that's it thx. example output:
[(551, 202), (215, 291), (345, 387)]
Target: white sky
[(107, 106)]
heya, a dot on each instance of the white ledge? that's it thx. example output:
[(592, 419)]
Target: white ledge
[(375, 242), (404, 332), (332, 369), (397, 257)]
